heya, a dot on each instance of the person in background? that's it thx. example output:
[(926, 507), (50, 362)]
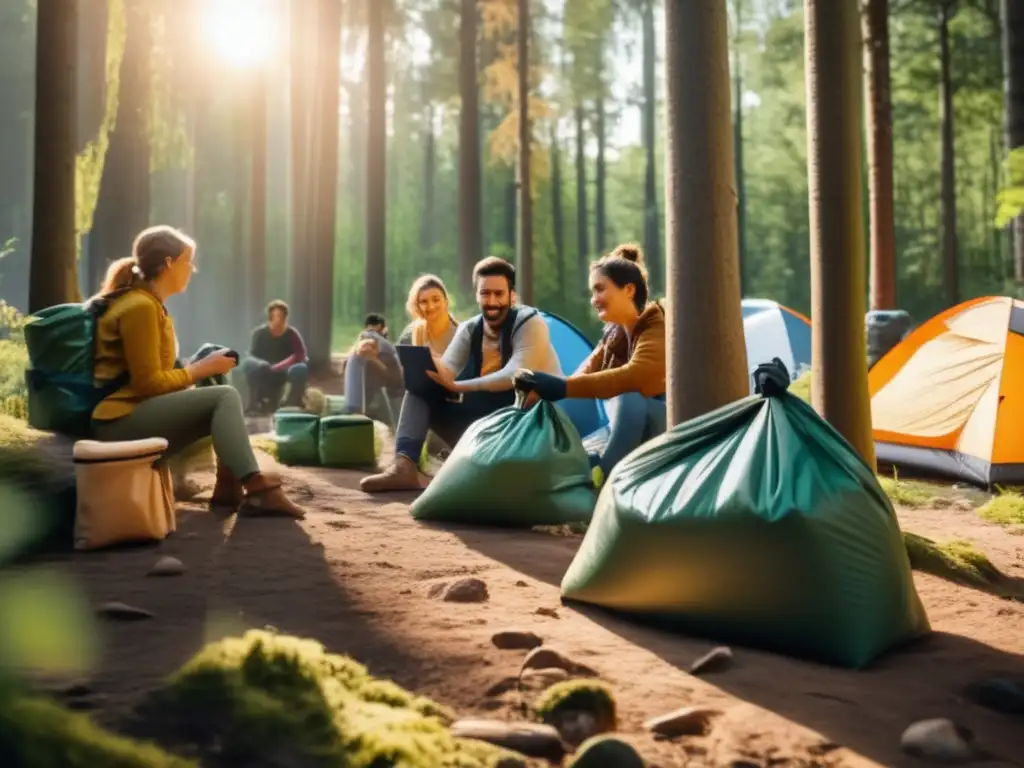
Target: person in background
[(372, 366), (135, 336), (277, 356), (627, 368), (475, 373)]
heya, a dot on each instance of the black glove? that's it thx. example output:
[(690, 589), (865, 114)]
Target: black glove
[(546, 386)]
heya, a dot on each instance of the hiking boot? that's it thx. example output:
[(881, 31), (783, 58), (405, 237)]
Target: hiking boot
[(264, 496), (228, 491), (402, 475)]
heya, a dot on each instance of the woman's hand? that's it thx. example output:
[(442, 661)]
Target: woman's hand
[(544, 385), (214, 364)]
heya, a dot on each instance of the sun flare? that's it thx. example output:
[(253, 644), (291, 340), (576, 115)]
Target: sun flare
[(242, 32)]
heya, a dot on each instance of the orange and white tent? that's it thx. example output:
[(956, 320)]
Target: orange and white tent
[(949, 398)]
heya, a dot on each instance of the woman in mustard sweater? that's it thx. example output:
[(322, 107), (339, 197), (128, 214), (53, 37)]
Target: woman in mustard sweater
[(136, 335), (627, 368)]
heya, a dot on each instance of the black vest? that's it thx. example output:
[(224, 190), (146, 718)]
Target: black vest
[(476, 342)]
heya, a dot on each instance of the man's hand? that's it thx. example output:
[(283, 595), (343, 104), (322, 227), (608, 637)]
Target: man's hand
[(443, 376), (367, 348)]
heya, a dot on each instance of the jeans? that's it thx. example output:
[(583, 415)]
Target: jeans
[(633, 420), (446, 419), (184, 417), (268, 384)]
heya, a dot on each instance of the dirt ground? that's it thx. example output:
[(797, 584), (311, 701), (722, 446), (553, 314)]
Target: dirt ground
[(356, 573)]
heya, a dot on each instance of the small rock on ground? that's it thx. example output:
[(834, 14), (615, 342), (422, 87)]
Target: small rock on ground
[(118, 610), (528, 739), (716, 660), (167, 566), (461, 591), (546, 657), (687, 721), (939, 740), (605, 752), (551, 613), (516, 640)]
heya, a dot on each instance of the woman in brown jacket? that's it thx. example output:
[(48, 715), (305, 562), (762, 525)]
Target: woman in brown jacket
[(627, 368)]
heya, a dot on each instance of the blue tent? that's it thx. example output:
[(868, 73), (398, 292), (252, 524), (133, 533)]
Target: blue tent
[(572, 348), (774, 330)]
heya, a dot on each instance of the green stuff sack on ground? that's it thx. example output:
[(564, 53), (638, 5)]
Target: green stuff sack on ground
[(515, 468), (347, 441), (756, 524), (297, 436)]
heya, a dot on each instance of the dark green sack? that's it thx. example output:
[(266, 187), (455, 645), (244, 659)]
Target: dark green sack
[(347, 441), (297, 437), (756, 524), (516, 468), (61, 343)]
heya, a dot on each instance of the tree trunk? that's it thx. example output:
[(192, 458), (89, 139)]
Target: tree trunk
[(376, 162), (122, 206), (303, 27), (839, 352), (704, 318), (257, 267), (600, 177), (241, 187), (470, 192), (524, 267), (582, 216), (737, 128), (427, 230), (91, 85), (1013, 74), (652, 227), (950, 278), (511, 211), (875, 21), (53, 275), (325, 181), (557, 210)]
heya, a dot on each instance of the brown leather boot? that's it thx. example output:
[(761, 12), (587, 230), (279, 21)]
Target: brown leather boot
[(264, 496), (228, 491)]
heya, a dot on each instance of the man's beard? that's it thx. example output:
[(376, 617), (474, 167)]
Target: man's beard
[(495, 316)]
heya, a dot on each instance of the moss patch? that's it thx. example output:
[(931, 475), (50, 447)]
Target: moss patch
[(1005, 509), (37, 733), (957, 561), (267, 700), (913, 494), (591, 696), (264, 443), (17, 432)]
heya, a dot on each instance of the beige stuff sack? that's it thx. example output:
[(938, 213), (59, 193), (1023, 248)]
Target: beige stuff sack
[(121, 496)]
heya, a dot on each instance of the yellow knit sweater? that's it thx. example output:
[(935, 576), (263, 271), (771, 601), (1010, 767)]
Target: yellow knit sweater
[(136, 335)]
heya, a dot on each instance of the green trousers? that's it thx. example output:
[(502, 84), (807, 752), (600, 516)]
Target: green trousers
[(182, 418)]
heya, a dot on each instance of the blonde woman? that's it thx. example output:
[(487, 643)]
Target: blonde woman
[(372, 365)]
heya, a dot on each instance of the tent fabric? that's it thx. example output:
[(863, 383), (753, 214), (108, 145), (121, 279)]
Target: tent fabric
[(572, 348), (949, 399), (773, 330)]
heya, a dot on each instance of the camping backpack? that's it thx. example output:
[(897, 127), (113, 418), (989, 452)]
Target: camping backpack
[(61, 341)]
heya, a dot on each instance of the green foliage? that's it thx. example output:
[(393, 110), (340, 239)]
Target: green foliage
[(269, 700), (89, 162), (1011, 199), (36, 733)]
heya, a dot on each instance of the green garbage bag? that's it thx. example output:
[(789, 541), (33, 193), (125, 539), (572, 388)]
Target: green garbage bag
[(297, 437), (757, 524), (516, 468), (347, 441)]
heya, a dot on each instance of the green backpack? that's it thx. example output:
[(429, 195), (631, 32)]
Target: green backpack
[(62, 390)]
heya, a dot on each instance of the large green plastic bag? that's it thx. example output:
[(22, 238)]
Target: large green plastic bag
[(347, 440), (756, 524), (515, 468), (297, 436)]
